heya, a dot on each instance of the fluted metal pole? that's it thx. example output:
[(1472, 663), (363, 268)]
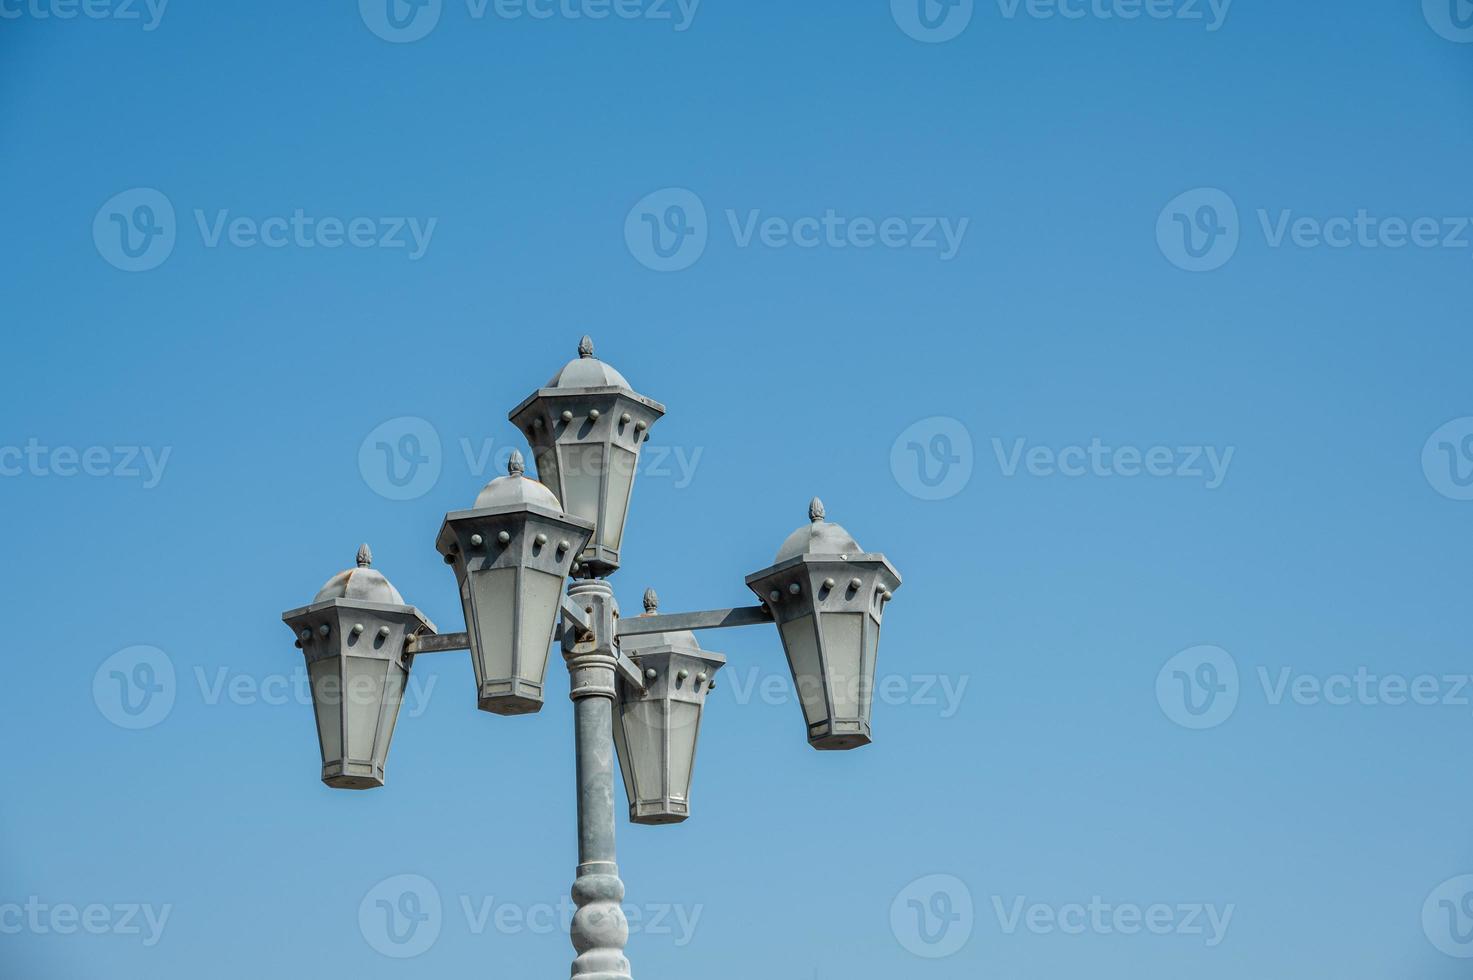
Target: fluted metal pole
[(599, 929)]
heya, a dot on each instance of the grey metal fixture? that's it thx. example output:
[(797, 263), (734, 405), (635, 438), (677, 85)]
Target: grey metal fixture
[(638, 685)]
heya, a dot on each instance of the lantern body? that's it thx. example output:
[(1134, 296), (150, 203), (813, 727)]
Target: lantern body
[(510, 591), (586, 428), (655, 731), (358, 671), (828, 610)]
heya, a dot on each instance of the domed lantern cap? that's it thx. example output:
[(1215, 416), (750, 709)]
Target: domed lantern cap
[(828, 598), (353, 637), (656, 729), (586, 428), (511, 553)]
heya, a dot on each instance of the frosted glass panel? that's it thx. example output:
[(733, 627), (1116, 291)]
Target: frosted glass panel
[(327, 702), (582, 474), (684, 717), (491, 621), (621, 480), (540, 594), (621, 745), (801, 643), (644, 731), (393, 697), (842, 644), (363, 693)]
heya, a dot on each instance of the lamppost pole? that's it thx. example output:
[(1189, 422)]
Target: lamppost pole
[(599, 929)]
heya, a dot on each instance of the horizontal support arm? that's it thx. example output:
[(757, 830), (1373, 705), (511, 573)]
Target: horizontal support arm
[(709, 619), (437, 643)]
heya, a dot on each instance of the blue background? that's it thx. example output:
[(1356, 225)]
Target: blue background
[(1055, 600)]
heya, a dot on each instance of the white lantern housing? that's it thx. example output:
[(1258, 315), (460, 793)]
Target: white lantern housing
[(828, 598), (511, 555), (353, 636)]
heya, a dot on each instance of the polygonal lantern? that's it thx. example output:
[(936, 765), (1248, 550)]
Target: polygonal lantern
[(353, 636), (655, 730), (585, 428), (828, 596), (511, 554)]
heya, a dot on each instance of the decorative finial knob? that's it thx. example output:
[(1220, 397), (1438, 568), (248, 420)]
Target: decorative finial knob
[(815, 510), (585, 346), (516, 466), (651, 601), (365, 555)]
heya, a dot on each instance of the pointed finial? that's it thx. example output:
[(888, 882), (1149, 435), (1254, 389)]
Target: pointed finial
[(365, 555), (815, 510), (651, 601), (585, 346), (516, 466)]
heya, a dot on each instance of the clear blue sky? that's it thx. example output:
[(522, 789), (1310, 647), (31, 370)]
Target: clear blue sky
[(1068, 318)]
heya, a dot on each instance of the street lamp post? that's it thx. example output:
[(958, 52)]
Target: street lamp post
[(638, 685)]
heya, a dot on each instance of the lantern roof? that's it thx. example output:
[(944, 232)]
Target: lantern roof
[(364, 582), (587, 371), (818, 537), (515, 489), (648, 640)]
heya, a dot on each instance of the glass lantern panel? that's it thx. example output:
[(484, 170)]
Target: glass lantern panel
[(621, 482), (540, 594), (621, 747), (684, 719), (644, 737), (489, 599), (327, 704), (363, 698), (800, 640), (871, 656), (393, 697), (582, 471), (843, 645)]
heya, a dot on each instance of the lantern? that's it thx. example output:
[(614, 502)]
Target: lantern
[(511, 554), (655, 730), (585, 428), (353, 637), (828, 597)]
